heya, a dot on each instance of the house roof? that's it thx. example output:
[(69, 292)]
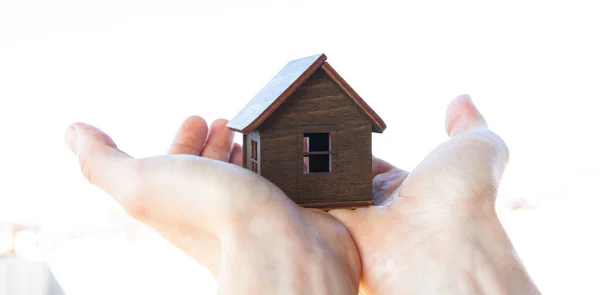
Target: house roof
[(281, 87)]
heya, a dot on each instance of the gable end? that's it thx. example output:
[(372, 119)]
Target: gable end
[(284, 84)]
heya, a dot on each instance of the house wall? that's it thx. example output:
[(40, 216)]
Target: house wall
[(318, 104)]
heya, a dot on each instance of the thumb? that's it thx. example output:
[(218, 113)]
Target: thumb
[(100, 161), (466, 168), (172, 190), (462, 115)]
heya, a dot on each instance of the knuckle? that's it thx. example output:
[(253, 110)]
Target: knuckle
[(134, 208), (497, 153), (491, 142), (86, 168), (497, 144)]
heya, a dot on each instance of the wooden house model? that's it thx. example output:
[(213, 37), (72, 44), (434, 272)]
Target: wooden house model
[(308, 132)]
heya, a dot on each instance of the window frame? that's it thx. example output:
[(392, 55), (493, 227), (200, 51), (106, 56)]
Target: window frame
[(254, 155), (306, 154)]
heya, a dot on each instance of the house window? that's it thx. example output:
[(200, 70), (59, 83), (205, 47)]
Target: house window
[(254, 156), (317, 153)]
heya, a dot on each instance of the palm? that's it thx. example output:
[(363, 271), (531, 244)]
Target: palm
[(398, 236), (215, 210), (402, 240), (382, 236), (193, 138), (199, 199)]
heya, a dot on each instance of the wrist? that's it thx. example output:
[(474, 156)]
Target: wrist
[(468, 254), (270, 257), (500, 269)]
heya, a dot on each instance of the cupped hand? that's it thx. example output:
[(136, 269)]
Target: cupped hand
[(244, 229), (435, 230)]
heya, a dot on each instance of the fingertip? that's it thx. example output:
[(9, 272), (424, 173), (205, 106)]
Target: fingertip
[(220, 126), (219, 123), (380, 166), (79, 133), (192, 124), (70, 138), (220, 141), (462, 114), (190, 137), (98, 156)]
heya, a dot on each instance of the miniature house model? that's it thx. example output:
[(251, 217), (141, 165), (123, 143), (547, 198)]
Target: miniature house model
[(309, 133)]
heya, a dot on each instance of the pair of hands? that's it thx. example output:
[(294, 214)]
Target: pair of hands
[(433, 231)]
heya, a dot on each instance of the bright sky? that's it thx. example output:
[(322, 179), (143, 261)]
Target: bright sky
[(137, 68)]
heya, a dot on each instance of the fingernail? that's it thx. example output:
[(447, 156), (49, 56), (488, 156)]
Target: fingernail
[(71, 138)]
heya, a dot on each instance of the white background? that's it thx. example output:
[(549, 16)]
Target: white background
[(136, 69)]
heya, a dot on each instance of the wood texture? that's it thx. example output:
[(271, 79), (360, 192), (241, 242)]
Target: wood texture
[(309, 96), (339, 205), (284, 84), (319, 105), (275, 93), (378, 124)]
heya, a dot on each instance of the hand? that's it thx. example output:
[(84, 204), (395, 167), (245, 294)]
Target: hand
[(244, 229), (435, 230)]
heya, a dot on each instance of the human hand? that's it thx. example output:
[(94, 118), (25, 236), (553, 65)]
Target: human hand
[(435, 230), (244, 229)]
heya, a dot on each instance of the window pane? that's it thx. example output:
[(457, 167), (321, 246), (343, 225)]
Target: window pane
[(253, 152), (316, 142), (305, 144), (306, 164), (316, 163)]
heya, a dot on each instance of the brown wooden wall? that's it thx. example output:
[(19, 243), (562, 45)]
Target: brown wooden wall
[(318, 105)]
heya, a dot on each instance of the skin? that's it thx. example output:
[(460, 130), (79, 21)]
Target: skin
[(433, 231), (244, 229)]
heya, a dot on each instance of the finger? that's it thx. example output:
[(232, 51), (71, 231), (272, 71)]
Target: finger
[(236, 157), (386, 180), (101, 163), (201, 193), (195, 195), (468, 166), (380, 166), (182, 191), (190, 137), (220, 141), (462, 115), (385, 186)]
